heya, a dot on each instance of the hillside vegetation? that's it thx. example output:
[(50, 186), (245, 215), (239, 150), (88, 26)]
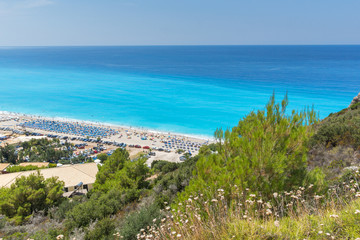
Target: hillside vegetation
[(278, 174)]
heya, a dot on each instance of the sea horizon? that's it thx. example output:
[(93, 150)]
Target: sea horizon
[(183, 89)]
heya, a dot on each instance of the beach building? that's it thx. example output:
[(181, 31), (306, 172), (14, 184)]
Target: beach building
[(3, 167), (72, 175)]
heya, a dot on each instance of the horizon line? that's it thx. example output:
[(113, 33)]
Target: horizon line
[(177, 45)]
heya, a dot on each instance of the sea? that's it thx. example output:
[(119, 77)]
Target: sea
[(182, 89)]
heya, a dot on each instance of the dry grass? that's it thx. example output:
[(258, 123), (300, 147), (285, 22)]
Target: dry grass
[(299, 214)]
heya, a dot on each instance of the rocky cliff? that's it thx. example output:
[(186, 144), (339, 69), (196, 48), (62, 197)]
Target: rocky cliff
[(355, 100)]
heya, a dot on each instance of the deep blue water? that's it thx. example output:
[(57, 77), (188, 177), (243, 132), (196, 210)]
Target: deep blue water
[(186, 89)]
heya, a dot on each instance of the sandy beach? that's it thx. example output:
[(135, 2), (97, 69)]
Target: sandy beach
[(165, 145)]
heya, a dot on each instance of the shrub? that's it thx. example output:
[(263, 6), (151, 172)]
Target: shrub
[(266, 152), (138, 220), (103, 230), (30, 194)]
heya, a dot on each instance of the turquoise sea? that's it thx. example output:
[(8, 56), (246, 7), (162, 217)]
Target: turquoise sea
[(185, 89)]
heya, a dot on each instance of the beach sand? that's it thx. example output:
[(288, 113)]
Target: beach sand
[(127, 135)]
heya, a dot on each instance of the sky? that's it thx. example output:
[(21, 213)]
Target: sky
[(182, 22)]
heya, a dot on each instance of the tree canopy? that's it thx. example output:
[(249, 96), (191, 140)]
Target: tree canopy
[(265, 152), (30, 194)]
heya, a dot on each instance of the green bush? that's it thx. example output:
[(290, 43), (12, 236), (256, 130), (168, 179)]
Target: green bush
[(97, 207), (266, 152), (30, 194), (164, 166), (342, 128), (122, 173), (103, 230), (138, 220)]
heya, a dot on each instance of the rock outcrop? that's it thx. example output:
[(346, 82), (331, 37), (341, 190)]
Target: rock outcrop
[(355, 100)]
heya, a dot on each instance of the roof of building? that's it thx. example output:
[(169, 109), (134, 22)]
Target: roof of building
[(36, 164), (70, 174), (3, 166)]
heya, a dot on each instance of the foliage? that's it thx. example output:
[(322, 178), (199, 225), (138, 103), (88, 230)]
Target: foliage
[(298, 214), (8, 154), (103, 157), (103, 230), (121, 173), (168, 185), (138, 220), (266, 152), (99, 206), (164, 166), (45, 150), (30, 194), (17, 168), (342, 128)]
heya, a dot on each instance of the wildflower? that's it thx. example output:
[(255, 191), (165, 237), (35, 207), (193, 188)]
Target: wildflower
[(259, 201), (277, 223), (173, 233), (327, 234), (268, 212), (310, 186), (295, 197), (214, 200), (167, 208), (180, 204), (252, 195), (178, 236), (357, 211), (245, 216), (357, 194), (154, 220), (165, 203), (220, 190), (275, 194), (317, 197), (60, 237), (320, 232), (334, 216)]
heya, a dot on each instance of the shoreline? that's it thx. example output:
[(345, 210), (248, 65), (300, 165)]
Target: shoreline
[(105, 124), (137, 140)]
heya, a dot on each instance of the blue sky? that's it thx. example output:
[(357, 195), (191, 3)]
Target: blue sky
[(182, 22)]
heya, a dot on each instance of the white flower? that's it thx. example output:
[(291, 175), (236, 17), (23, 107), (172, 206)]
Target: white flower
[(317, 197), (357, 211), (277, 223), (275, 194), (268, 212), (334, 216), (320, 232), (179, 235)]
